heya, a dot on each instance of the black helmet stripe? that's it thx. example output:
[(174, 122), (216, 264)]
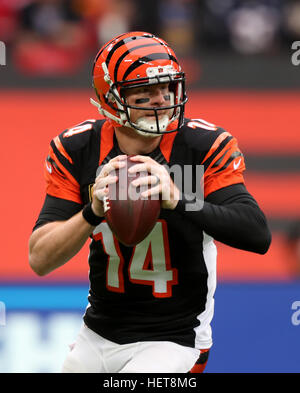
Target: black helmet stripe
[(119, 44), (146, 59), (102, 49), (127, 52)]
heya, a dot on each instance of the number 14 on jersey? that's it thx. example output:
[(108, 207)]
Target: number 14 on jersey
[(149, 264)]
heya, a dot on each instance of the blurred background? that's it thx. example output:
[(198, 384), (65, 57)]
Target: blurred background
[(243, 73)]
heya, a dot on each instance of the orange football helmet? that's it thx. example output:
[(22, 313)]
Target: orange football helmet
[(137, 59)]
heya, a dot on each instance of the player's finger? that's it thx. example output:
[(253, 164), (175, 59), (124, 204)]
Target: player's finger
[(100, 193), (111, 166), (146, 159), (105, 181), (121, 157), (145, 167), (114, 163), (145, 180), (140, 158)]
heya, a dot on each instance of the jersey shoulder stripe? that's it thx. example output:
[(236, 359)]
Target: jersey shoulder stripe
[(224, 167), (221, 165), (74, 143), (217, 145), (64, 164), (61, 149), (60, 182), (217, 150)]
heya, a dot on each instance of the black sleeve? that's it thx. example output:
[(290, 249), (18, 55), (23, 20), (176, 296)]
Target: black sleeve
[(232, 216), (56, 209)]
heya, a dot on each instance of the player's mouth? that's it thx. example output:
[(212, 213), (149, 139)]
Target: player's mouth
[(153, 116)]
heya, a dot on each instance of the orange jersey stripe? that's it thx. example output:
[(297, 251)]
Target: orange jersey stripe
[(215, 177), (107, 140), (230, 148), (220, 160), (216, 144), (61, 185), (61, 149), (224, 179)]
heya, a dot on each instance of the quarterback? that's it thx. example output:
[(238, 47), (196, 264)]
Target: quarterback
[(150, 306)]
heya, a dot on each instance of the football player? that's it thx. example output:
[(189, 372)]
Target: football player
[(150, 306)]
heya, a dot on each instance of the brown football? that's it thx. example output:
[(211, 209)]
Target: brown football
[(130, 217)]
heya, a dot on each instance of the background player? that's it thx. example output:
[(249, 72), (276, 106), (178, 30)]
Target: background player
[(150, 306)]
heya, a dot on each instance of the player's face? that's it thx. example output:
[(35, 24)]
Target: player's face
[(148, 96)]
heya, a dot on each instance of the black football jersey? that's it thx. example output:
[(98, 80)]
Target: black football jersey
[(161, 289)]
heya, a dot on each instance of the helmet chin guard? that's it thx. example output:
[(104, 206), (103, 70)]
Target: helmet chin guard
[(133, 60), (151, 126)]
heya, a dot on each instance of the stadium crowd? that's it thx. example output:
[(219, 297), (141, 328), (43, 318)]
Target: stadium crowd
[(66, 32)]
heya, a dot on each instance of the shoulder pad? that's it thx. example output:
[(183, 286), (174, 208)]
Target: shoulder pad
[(199, 134), (79, 128), (77, 137)]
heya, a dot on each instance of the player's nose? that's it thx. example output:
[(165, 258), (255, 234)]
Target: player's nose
[(158, 98)]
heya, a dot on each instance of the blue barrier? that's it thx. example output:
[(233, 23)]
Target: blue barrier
[(256, 327)]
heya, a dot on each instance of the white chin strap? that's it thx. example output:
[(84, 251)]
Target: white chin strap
[(150, 125)]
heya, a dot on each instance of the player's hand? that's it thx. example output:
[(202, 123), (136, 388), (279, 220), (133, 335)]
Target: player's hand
[(100, 188), (158, 178)]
